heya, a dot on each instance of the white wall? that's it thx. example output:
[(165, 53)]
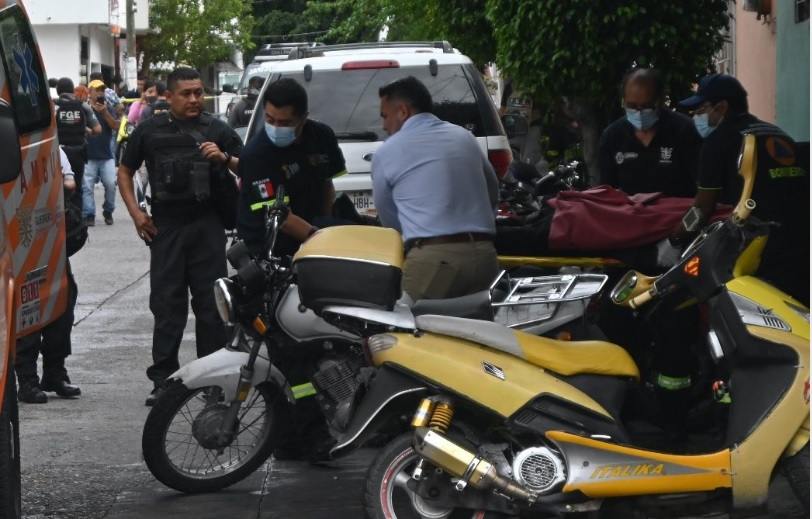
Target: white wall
[(44, 12), (60, 46)]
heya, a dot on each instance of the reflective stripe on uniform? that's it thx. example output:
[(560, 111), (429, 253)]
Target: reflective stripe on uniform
[(673, 383), (267, 203), (303, 390)]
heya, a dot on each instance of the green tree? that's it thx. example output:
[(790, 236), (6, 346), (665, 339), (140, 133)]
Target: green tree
[(579, 50), (197, 33)]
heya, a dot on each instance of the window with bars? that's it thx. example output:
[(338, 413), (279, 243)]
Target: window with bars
[(801, 10)]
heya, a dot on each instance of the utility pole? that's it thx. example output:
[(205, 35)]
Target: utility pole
[(132, 65)]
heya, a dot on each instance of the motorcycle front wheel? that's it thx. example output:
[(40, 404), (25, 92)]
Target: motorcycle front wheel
[(387, 496), (180, 443)]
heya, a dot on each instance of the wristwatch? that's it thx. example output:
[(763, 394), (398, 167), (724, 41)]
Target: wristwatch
[(228, 158)]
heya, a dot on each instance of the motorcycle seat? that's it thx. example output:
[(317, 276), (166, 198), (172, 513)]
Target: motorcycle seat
[(563, 357), (473, 306)]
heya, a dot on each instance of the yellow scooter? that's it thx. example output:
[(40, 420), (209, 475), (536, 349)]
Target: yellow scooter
[(506, 424)]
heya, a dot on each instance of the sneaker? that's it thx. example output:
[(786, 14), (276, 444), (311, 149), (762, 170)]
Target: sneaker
[(108, 217), (90, 220)]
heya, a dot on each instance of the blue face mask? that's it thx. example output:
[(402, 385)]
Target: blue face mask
[(702, 125), (281, 136), (642, 119)]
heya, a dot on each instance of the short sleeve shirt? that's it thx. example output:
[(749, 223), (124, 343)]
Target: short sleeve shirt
[(667, 165), (781, 185), (303, 168)]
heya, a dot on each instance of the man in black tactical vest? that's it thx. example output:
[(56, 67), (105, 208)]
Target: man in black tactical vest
[(242, 111), (75, 122), (186, 152)]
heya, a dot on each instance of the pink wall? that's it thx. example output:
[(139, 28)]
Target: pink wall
[(755, 61)]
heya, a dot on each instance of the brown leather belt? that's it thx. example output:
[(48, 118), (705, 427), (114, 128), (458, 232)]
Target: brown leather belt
[(464, 237)]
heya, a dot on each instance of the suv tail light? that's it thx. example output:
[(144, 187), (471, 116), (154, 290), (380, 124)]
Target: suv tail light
[(500, 160), (370, 64)]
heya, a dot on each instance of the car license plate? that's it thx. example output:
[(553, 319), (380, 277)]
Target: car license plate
[(363, 202)]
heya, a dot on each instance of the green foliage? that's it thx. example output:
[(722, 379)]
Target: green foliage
[(197, 33), (582, 48)]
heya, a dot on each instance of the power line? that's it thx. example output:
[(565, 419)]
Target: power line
[(286, 36)]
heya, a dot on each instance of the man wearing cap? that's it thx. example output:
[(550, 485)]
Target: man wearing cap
[(781, 188), (100, 157)]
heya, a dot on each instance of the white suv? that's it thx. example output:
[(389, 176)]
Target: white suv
[(342, 83)]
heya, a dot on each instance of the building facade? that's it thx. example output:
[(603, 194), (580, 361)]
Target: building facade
[(78, 38)]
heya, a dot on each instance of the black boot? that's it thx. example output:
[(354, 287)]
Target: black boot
[(30, 392), (61, 386)]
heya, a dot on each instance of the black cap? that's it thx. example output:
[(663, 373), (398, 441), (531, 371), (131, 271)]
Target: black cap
[(714, 88)]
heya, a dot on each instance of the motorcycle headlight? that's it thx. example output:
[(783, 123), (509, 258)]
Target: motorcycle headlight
[(224, 301)]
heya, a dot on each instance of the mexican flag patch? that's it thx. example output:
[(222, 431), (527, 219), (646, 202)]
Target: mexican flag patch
[(263, 189)]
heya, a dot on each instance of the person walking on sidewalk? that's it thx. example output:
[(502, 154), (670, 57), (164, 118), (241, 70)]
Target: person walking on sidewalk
[(101, 160)]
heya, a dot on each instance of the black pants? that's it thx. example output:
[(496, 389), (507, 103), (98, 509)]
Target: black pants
[(77, 156), (52, 341), (187, 256)]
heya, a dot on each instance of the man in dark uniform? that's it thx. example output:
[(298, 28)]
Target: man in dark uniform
[(303, 155), (244, 108), (781, 188), (651, 148), (75, 122), (186, 151)]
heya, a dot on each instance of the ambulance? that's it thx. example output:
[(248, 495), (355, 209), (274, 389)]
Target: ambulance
[(32, 235)]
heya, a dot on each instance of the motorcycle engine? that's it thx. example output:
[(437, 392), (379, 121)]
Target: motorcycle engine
[(539, 469), (337, 382)]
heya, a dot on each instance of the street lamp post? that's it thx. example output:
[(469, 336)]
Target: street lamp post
[(131, 66)]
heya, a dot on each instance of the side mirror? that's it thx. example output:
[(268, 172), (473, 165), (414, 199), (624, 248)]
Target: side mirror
[(515, 125), (9, 145), (624, 288), (229, 88)]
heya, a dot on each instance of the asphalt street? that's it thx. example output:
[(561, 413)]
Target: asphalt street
[(81, 458)]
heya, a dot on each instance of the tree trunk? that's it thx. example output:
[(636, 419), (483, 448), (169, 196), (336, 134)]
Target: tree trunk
[(591, 124)]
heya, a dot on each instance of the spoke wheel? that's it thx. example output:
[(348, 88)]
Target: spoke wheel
[(183, 448)]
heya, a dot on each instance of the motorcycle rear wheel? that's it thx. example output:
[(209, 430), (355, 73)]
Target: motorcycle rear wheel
[(386, 495), (178, 460)]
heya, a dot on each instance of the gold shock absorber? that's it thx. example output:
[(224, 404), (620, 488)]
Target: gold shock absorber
[(422, 416), (441, 418)]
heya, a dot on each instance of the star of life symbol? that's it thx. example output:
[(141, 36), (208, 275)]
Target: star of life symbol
[(24, 59), (665, 154), (26, 229)]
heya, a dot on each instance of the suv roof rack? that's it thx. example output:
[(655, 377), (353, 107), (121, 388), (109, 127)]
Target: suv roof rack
[(307, 52)]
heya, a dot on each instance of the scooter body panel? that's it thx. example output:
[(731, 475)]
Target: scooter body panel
[(496, 380), (600, 469)]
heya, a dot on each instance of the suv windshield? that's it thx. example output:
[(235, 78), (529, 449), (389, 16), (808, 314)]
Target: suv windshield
[(347, 100)]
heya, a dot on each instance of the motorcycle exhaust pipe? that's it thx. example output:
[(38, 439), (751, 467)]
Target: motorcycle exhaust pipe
[(467, 466)]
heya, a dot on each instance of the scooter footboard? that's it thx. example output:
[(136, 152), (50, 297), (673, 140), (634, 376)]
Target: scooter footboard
[(222, 369)]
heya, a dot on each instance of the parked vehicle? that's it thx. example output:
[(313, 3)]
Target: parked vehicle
[(507, 423), (33, 285), (342, 83)]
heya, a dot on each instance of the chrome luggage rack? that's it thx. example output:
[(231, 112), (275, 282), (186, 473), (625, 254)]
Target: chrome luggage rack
[(532, 300)]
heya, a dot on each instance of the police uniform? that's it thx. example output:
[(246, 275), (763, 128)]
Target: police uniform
[(667, 165), (304, 168), (781, 193), (73, 118), (242, 111), (188, 253)]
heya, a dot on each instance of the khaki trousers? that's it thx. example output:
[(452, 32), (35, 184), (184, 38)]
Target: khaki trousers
[(449, 270)]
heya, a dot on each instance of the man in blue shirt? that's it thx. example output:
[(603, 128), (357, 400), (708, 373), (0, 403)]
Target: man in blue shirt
[(433, 184), (100, 157)]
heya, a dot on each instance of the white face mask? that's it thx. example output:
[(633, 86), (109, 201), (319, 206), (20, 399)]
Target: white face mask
[(642, 119)]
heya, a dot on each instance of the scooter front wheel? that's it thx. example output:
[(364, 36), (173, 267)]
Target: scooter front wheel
[(387, 495), (183, 447)]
